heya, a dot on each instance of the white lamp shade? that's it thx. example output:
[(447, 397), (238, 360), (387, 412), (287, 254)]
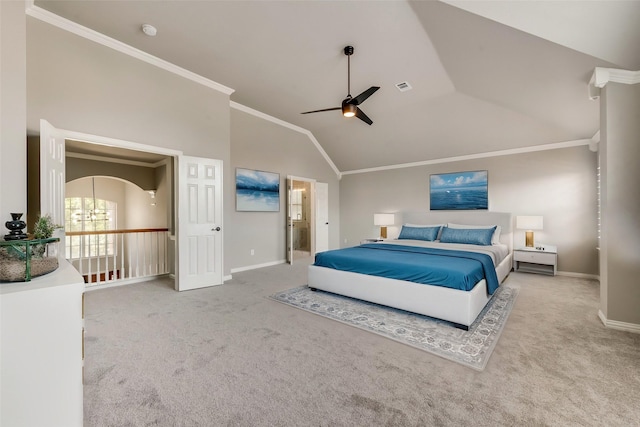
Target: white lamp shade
[(529, 222), (383, 219)]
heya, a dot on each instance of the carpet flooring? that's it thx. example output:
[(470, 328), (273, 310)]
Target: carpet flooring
[(230, 356), (471, 348)]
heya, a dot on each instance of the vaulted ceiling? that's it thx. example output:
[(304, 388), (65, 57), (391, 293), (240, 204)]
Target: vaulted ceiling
[(485, 75)]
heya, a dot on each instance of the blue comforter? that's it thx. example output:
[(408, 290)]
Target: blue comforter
[(440, 267)]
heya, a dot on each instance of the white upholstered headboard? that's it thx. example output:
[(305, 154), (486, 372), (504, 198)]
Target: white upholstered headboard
[(503, 219)]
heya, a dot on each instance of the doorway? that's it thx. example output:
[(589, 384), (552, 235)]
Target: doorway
[(195, 246), (307, 218), (299, 217)]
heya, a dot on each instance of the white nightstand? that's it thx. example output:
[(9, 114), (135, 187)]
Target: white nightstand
[(371, 240), (541, 259)]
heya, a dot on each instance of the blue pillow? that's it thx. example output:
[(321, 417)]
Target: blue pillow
[(419, 233), (470, 236)]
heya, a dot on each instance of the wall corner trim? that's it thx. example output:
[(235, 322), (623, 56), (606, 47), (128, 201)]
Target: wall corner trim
[(89, 34), (601, 76), (620, 326), (288, 125)]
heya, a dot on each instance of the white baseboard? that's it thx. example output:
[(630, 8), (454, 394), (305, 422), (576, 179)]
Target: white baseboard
[(253, 267), (578, 275), (621, 326), (227, 277)]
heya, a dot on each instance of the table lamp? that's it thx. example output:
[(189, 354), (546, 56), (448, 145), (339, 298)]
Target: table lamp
[(529, 223), (383, 220)]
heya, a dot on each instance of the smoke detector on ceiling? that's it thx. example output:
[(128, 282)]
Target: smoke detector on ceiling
[(403, 86), (149, 30)]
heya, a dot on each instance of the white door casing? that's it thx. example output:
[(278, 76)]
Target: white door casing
[(199, 223), (52, 177), (322, 217), (289, 232)]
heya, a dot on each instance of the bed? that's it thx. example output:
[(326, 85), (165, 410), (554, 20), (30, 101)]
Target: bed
[(460, 305)]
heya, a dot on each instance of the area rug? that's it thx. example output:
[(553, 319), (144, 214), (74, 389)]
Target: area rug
[(471, 348)]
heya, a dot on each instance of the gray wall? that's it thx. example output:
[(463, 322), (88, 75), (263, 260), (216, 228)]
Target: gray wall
[(619, 156), (82, 86), (143, 177), (13, 110), (263, 145), (78, 85), (558, 184)]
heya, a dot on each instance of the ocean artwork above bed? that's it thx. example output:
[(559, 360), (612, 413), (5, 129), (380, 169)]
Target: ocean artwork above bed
[(459, 191), (257, 191)]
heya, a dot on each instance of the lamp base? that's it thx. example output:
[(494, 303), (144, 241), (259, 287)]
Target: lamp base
[(528, 239), (383, 232)]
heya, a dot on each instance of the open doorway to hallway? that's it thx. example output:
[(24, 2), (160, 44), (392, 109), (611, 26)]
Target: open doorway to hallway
[(115, 230)]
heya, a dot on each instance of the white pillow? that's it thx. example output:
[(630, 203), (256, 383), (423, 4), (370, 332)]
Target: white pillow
[(495, 239)]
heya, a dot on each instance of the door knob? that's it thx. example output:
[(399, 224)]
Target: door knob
[(215, 229)]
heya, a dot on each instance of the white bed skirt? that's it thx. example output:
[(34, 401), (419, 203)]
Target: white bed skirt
[(461, 307)]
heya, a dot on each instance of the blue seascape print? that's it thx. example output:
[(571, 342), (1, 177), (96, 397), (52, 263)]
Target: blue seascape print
[(257, 191), (459, 191)]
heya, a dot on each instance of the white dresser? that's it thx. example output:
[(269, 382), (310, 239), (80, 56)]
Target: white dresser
[(41, 350)]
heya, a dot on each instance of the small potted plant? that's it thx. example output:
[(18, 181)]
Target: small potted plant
[(44, 227), (20, 260)]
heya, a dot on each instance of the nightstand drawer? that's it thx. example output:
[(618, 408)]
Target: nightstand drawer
[(535, 257)]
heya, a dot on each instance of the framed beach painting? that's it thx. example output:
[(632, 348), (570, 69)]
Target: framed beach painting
[(459, 191), (257, 191)]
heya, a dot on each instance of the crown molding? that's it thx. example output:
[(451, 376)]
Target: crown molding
[(288, 125), (531, 149), (89, 34), (602, 76)]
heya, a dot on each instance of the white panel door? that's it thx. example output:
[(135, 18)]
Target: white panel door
[(199, 223), (322, 217), (52, 177)]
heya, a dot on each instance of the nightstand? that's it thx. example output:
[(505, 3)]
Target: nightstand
[(371, 240), (541, 259)]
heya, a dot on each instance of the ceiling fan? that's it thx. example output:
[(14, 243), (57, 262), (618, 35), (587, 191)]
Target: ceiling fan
[(349, 104)]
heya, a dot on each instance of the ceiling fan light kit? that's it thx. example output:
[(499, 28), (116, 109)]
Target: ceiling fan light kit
[(348, 110), (350, 104)]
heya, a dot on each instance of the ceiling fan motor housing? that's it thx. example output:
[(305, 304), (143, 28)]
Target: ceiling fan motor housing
[(348, 110)]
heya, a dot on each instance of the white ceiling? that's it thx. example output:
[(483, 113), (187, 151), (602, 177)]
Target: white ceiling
[(486, 75)]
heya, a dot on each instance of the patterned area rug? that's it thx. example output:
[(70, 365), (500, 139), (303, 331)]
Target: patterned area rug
[(471, 348)]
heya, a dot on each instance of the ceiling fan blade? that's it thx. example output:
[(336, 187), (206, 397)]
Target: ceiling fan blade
[(364, 95), (362, 116), (319, 111)]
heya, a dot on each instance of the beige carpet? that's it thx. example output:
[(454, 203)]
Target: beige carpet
[(230, 356)]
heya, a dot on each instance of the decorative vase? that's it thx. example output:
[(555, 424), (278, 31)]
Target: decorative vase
[(15, 227)]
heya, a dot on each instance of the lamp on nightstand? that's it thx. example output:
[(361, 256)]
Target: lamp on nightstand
[(529, 223), (383, 220)]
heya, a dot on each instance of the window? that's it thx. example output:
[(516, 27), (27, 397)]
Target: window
[(89, 214)]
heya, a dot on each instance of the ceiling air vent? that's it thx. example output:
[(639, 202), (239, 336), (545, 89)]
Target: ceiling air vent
[(403, 86)]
